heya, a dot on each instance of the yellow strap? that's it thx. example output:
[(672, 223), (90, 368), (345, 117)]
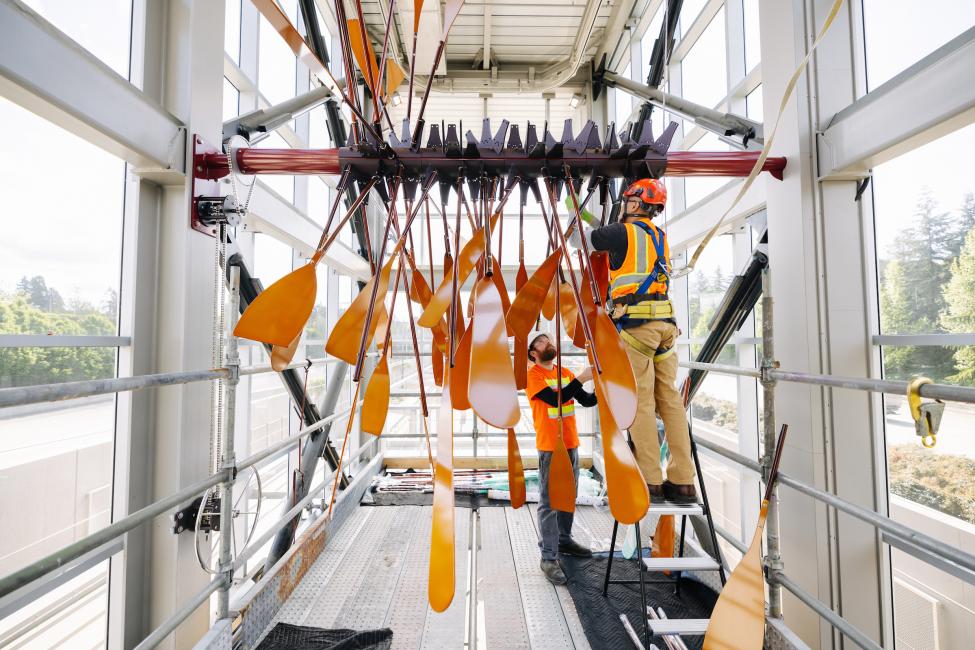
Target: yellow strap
[(651, 309), (789, 88), (645, 349)]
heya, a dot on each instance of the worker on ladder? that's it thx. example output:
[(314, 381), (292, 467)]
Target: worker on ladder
[(639, 282), (554, 527)]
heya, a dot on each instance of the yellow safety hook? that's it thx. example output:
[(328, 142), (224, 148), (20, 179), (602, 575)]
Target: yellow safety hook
[(927, 416)]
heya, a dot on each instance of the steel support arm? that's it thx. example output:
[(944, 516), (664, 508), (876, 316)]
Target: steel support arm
[(723, 124), (45, 71)]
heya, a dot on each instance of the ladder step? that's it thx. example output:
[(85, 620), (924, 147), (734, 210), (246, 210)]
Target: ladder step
[(668, 508), (704, 563), (679, 626)]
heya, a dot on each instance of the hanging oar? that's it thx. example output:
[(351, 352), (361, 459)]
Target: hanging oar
[(568, 308), (528, 302), (357, 325), (450, 13), (521, 279), (492, 392), (561, 479), (629, 498), (280, 312), (375, 404), (442, 578), (417, 8), (365, 58), (466, 262), (738, 619), (498, 278), (548, 305), (516, 472), (461, 372), (440, 589), (436, 354)]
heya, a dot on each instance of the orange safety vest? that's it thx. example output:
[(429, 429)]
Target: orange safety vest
[(642, 261)]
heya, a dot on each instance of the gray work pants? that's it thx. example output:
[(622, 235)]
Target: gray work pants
[(555, 526)]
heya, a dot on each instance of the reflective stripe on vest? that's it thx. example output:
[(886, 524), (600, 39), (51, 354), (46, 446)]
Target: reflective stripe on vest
[(640, 263), (568, 409)]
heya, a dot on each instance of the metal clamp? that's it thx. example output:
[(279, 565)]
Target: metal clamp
[(927, 415)]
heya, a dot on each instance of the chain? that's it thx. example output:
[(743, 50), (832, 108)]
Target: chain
[(241, 209)]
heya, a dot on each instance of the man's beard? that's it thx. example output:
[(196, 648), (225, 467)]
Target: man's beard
[(547, 354)]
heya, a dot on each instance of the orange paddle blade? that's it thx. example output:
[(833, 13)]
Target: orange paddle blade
[(663, 539), (461, 372), (375, 405), (437, 355), (491, 387), (599, 263), (521, 363), (417, 8), (282, 356), (498, 278), (561, 482), (524, 310), (382, 317), (440, 588), (569, 309), (548, 305), (521, 278), (343, 342), (516, 472), (467, 260), (738, 618), (280, 312), (361, 56), (629, 498), (420, 292), (394, 77), (619, 383)]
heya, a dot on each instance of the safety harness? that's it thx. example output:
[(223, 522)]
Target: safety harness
[(641, 305)]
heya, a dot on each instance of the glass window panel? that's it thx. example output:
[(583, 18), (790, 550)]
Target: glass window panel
[(103, 28), (898, 33), (648, 40), (231, 100), (704, 74), (277, 68), (68, 284), (753, 45), (754, 107), (688, 13), (283, 184), (231, 30), (74, 615), (696, 188)]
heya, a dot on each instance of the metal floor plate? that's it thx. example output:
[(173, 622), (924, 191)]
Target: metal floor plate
[(373, 573)]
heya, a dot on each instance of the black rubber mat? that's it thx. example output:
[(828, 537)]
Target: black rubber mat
[(600, 615), (285, 636)]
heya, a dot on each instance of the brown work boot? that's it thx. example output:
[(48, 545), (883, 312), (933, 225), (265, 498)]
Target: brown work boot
[(680, 493), (656, 491)]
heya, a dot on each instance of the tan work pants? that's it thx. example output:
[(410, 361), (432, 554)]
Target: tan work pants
[(657, 393)]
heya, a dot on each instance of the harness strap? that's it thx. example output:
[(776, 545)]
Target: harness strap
[(657, 354)]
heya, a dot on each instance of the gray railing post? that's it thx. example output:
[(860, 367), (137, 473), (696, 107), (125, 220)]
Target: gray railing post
[(773, 558), (229, 460)]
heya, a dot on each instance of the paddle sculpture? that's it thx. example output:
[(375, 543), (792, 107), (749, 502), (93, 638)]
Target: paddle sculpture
[(738, 619), (471, 362)]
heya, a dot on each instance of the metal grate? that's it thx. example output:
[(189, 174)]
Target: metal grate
[(915, 618)]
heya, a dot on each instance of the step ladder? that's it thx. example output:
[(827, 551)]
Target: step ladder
[(675, 565)]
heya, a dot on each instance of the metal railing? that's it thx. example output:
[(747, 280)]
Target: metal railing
[(224, 477), (769, 375)]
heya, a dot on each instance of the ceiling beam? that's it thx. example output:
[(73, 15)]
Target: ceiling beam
[(487, 37)]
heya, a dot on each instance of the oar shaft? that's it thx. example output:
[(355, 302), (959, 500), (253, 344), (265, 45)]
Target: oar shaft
[(776, 459), (409, 99), (348, 214), (582, 237), (454, 298), (417, 133)]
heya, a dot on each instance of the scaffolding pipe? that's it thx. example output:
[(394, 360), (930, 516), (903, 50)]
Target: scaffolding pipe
[(834, 619), (773, 557), (171, 623), (23, 395), (71, 552), (228, 461)]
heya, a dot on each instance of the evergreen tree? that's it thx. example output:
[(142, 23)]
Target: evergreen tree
[(39, 295), (911, 299), (959, 313), (964, 223)]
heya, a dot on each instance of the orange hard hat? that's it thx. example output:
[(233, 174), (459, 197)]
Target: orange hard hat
[(650, 191)]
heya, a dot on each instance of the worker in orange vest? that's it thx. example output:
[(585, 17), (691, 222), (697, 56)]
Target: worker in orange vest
[(554, 527), (639, 282)]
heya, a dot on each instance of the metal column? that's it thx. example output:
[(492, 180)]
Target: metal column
[(228, 461)]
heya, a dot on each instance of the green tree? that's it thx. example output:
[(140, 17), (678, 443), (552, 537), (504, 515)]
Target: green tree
[(959, 313), (39, 294), (911, 298), (27, 366)]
